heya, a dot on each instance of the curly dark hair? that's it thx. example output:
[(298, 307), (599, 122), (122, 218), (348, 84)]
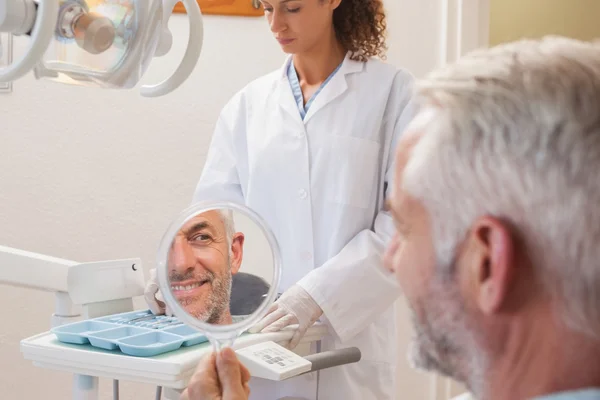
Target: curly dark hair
[(361, 28)]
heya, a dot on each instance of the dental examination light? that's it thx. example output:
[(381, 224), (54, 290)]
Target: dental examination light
[(99, 43)]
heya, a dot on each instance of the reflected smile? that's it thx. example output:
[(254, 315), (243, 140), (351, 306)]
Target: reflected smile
[(187, 287)]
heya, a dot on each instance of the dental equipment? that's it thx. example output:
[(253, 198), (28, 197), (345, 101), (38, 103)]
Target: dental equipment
[(113, 341), (199, 306), (81, 290), (99, 43)]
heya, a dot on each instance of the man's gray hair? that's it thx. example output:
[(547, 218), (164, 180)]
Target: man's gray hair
[(227, 218), (518, 137)]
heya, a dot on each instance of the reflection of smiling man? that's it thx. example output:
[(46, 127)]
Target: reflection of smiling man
[(204, 255)]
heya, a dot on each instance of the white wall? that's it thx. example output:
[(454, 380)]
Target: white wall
[(89, 174), (515, 19), (258, 254)]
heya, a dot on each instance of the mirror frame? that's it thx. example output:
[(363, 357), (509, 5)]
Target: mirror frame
[(215, 332)]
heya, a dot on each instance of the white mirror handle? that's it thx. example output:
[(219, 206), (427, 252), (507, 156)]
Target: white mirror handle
[(192, 53), (41, 35)]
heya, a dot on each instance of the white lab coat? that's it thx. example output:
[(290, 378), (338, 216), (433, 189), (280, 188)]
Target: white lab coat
[(319, 184)]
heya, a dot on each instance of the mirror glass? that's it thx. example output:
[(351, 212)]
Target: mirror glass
[(219, 268)]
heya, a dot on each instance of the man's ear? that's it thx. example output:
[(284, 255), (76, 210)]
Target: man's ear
[(491, 261), (237, 252)]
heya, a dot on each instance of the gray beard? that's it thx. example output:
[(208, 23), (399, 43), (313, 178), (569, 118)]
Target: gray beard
[(443, 342), (217, 303)]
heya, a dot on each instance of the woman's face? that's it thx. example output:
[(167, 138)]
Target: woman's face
[(300, 25)]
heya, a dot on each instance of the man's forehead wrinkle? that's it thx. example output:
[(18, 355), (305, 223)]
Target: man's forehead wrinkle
[(195, 224), (207, 219)]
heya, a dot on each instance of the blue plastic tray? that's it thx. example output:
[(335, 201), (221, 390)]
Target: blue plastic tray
[(136, 333)]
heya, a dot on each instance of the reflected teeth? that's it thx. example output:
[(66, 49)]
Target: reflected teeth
[(188, 287)]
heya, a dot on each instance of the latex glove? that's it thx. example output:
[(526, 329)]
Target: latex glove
[(154, 298), (295, 306), (218, 377)]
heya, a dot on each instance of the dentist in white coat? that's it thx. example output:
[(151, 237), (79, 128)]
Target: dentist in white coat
[(310, 148)]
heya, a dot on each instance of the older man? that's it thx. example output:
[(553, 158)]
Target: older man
[(204, 255), (497, 210)]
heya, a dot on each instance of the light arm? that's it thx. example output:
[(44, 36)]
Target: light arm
[(35, 271), (95, 285)]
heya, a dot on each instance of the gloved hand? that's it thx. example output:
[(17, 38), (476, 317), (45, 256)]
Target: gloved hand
[(295, 306), (219, 377), (154, 298)]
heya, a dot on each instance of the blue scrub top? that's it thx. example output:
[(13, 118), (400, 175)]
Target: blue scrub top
[(295, 84)]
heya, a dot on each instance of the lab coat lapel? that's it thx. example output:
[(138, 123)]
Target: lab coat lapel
[(285, 97), (335, 87)]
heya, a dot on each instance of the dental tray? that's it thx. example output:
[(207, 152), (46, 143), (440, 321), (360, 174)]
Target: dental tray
[(136, 333)]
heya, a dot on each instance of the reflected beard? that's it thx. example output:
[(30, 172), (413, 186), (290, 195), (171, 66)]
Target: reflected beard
[(212, 308), (218, 300), (442, 341)]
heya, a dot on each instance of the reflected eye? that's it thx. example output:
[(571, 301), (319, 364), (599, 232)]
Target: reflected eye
[(202, 237)]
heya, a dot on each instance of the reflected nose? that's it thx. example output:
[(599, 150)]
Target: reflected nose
[(181, 257), (277, 22)]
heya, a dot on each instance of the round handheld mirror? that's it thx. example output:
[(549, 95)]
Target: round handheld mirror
[(218, 269)]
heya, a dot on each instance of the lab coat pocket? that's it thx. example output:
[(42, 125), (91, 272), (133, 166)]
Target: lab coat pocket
[(350, 170)]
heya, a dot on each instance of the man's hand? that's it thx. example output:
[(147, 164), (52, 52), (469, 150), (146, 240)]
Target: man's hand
[(153, 297), (295, 306), (219, 377)]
